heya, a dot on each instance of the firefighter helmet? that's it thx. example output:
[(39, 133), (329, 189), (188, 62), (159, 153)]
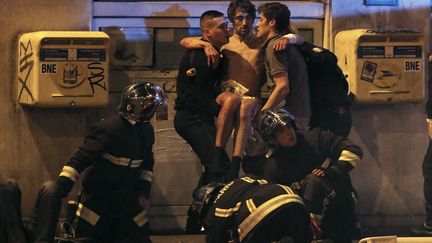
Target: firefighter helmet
[(271, 123), (203, 198), (139, 101)]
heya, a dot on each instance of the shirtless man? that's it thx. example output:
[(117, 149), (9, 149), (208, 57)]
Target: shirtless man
[(242, 72)]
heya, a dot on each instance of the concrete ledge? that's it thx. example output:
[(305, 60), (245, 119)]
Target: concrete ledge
[(299, 9)]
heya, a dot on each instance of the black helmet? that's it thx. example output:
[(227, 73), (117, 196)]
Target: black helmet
[(271, 123), (139, 101), (204, 197)]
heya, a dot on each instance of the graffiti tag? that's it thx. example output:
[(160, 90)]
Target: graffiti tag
[(96, 76), (25, 67)]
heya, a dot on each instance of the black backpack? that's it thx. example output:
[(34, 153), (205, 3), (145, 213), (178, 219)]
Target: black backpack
[(327, 83)]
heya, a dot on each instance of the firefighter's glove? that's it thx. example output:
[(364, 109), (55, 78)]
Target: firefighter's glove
[(233, 171), (218, 164), (64, 186)]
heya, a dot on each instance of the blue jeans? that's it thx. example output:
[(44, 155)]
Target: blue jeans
[(41, 225), (11, 229)]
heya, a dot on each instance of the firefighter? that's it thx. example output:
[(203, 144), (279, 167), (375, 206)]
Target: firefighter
[(250, 209), (118, 152), (116, 188), (316, 164)]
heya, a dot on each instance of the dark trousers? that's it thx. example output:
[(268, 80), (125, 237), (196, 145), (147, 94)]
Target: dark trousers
[(333, 199), (120, 218), (337, 119), (41, 225), (199, 131), (292, 221), (427, 189)]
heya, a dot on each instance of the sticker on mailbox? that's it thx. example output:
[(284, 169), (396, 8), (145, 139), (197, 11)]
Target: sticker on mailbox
[(368, 71)]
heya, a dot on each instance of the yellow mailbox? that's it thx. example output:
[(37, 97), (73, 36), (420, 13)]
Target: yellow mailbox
[(383, 66), (63, 69)]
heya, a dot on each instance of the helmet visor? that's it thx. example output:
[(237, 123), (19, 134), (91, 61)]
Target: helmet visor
[(145, 107), (273, 126)]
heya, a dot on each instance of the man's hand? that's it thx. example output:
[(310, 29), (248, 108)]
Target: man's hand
[(144, 202), (211, 53), (325, 172), (212, 56), (280, 44), (283, 42)]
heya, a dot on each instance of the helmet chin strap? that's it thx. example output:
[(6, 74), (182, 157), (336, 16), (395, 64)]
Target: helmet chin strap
[(128, 118), (269, 153), (133, 120)]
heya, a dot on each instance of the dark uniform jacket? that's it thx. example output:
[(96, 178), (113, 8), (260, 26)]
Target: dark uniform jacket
[(245, 204), (288, 165), (119, 155), (197, 84)]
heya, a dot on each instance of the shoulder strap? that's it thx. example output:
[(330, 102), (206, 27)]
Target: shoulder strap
[(318, 57)]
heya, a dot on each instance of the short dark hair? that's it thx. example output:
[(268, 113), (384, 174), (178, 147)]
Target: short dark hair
[(209, 15), (279, 12), (247, 5)]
